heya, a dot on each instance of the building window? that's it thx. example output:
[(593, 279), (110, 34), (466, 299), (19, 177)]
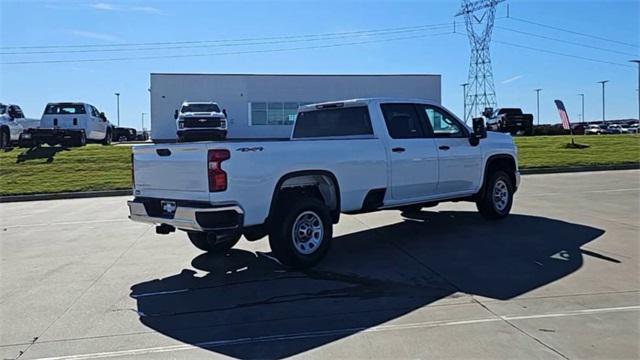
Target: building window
[(274, 113)]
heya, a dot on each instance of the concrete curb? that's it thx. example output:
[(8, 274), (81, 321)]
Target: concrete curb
[(570, 169), (65, 195), (92, 194)]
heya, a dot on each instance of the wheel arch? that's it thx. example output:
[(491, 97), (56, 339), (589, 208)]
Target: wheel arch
[(324, 181), (505, 162)]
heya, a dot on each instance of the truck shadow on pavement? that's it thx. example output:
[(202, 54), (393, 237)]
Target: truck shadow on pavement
[(246, 305)]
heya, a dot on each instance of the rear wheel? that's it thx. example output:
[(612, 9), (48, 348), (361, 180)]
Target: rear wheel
[(107, 138), (302, 232), (80, 140), (4, 139), (209, 242), (497, 196)]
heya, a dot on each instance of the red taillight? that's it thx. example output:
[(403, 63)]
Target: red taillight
[(217, 176)]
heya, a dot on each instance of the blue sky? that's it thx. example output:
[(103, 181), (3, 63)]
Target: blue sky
[(517, 71)]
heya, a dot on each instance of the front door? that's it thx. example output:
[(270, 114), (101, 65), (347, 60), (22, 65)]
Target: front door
[(412, 154), (459, 163)]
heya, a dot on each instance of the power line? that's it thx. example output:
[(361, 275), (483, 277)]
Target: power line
[(425, 26), (332, 37), (563, 54), (565, 41), (575, 32), (223, 53)]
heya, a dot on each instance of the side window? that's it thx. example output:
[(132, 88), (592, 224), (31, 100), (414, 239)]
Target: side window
[(94, 112), (402, 121), (19, 113), (442, 124), (349, 121)]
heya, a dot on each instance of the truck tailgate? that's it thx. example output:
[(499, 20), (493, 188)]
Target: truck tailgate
[(172, 169)]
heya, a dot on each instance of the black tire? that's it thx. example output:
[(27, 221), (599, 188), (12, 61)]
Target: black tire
[(208, 242), (309, 215), (497, 196), (107, 138), (5, 140), (80, 140)]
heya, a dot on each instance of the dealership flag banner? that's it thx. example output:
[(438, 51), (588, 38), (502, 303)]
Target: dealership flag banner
[(563, 115)]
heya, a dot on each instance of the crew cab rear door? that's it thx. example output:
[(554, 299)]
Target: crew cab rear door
[(412, 154)]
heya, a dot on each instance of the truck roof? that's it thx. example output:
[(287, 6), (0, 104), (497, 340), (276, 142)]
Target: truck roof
[(364, 101)]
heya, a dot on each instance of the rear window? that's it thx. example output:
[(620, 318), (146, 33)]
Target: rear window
[(200, 108), (350, 121), (56, 109)]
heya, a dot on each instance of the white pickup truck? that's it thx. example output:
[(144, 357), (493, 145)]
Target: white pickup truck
[(349, 156), (12, 124)]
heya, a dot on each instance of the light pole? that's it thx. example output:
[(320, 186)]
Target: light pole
[(118, 106), (638, 62), (604, 121), (582, 113), (464, 101), (538, 103), (143, 114)]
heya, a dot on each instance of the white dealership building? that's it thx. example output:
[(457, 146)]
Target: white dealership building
[(264, 106)]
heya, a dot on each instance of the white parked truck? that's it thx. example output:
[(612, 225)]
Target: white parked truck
[(350, 156), (200, 121), (12, 124), (69, 124)]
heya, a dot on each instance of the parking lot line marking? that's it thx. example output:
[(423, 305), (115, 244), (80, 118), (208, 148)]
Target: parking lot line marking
[(325, 333), (581, 192), (66, 223)]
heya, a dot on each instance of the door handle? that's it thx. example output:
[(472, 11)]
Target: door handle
[(444, 147), (398, 149)]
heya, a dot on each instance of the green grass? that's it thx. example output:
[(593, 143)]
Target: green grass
[(550, 151), (93, 167), (97, 167)]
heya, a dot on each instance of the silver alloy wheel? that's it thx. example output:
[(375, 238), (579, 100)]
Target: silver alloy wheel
[(500, 195), (307, 232)]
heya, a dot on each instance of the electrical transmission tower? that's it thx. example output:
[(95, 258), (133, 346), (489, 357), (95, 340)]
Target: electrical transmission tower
[(478, 17)]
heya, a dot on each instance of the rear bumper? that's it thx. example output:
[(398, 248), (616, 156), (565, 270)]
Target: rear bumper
[(188, 216), (52, 136)]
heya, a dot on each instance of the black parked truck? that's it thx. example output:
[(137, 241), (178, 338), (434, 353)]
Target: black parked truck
[(509, 120)]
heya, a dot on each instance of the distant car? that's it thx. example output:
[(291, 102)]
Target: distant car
[(595, 130), (615, 129), (633, 128), (121, 134)]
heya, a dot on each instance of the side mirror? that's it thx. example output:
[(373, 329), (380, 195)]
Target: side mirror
[(175, 115), (479, 131), (224, 111)]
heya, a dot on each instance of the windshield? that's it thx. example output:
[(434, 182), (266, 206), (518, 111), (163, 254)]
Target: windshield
[(3, 109), (64, 109), (200, 108)]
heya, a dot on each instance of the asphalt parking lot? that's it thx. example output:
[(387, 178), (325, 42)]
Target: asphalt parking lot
[(558, 279)]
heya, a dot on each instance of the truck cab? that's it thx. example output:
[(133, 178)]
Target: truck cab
[(200, 121)]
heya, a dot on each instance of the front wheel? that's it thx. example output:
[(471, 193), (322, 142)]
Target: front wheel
[(301, 233), (497, 196), (210, 243)]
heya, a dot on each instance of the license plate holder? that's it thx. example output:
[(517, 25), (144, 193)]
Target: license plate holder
[(168, 208)]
